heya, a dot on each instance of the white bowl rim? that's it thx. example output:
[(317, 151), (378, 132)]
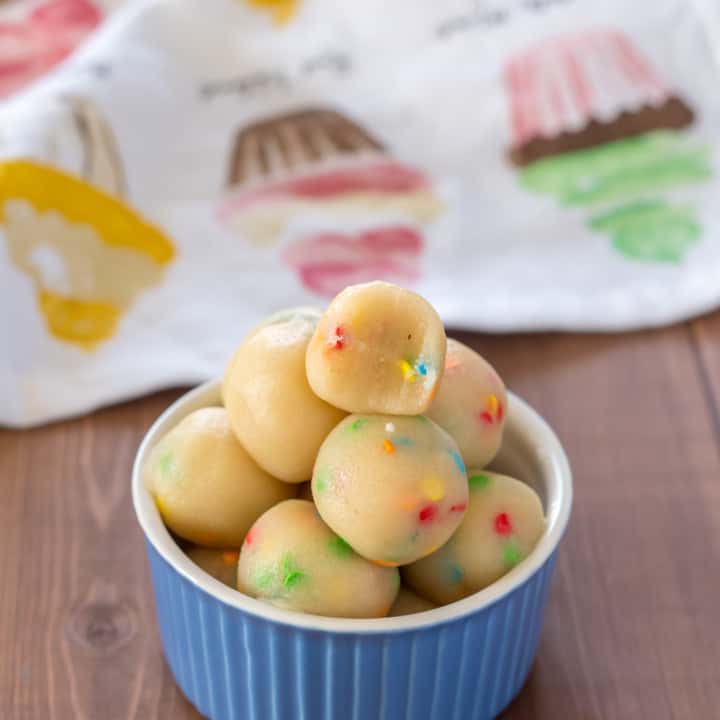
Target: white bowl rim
[(558, 504)]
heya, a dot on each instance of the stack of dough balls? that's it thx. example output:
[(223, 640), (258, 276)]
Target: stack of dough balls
[(350, 449)]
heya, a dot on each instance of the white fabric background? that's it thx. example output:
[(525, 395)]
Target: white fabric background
[(499, 258)]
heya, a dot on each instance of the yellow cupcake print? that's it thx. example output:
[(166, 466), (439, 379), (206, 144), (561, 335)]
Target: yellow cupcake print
[(281, 11), (87, 253)]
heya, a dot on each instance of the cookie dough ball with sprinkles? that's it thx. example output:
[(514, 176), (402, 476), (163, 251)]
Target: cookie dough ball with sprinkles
[(205, 485), (377, 349), (273, 411), (393, 486), (407, 603), (220, 564), (471, 404), (503, 523), (293, 560)]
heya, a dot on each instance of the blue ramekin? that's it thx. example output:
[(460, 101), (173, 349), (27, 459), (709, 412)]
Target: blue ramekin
[(236, 658)]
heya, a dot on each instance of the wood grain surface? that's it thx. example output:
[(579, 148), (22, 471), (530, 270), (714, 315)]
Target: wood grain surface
[(632, 626)]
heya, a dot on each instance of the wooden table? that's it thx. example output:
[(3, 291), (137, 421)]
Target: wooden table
[(633, 622)]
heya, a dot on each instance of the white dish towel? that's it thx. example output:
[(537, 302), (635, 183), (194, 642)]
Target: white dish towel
[(197, 164)]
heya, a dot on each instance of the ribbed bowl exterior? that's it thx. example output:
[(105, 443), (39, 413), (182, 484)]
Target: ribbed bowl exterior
[(233, 665)]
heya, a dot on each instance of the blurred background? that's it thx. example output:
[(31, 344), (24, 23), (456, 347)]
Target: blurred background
[(173, 171)]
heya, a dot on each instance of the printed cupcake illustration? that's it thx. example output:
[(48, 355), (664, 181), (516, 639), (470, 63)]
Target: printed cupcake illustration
[(47, 34), (592, 123), (320, 166), (87, 253)]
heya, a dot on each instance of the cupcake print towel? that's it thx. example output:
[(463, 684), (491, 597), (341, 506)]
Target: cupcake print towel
[(172, 171)]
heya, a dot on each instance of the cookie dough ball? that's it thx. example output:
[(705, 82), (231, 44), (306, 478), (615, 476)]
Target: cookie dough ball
[(293, 560), (207, 488), (470, 404), (220, 564), (377, 349), (407, 603), (503, 523), (273, 411), (307, 312), (394, 487)]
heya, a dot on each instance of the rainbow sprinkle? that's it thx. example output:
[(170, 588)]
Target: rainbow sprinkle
[(407, 371), (337, 340), (477, 482), (340, 547), (167, 464), (433, 488), (410, 370), (251, 535), (512, 554), (502, 524), (322, 479), (357, 424), (388, 447), (459, 464), (427, 514), (460, 507), (291, 575), (455, 574), (403, 441), (493, 411)]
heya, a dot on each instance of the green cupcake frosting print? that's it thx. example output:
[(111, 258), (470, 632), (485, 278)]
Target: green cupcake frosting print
[(650, 162), (650, 230), (618, 147)]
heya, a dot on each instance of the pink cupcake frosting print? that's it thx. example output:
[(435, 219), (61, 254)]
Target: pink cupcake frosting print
[(320, 167), (328, 262), (47, 33)]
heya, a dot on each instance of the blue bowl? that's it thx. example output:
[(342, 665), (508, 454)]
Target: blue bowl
[(236, 658)]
